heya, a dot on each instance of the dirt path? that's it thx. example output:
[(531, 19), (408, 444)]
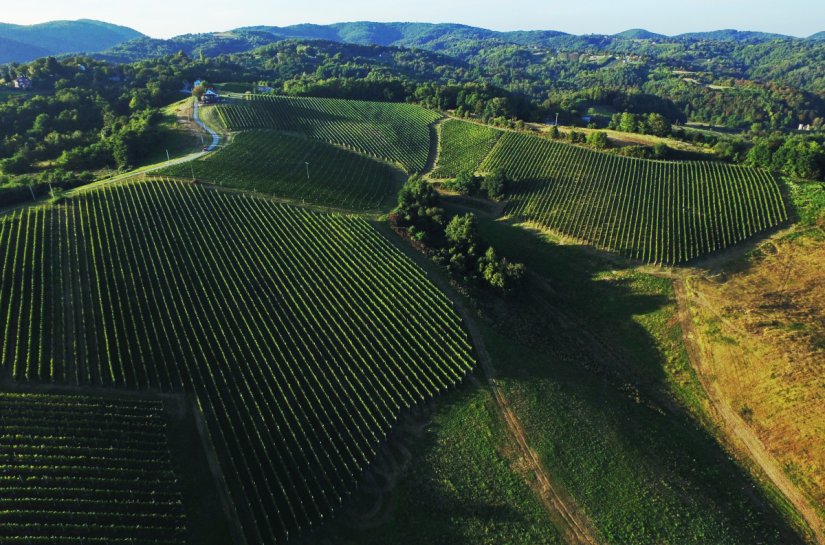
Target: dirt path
[(216, 140), (735, 428), (561, 508), (435, 147), (565, 514)]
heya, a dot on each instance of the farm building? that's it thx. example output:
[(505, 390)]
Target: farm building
[(22, 82), (210, 97)]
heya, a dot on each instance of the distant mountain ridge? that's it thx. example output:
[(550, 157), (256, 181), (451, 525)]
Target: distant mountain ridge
[(22, 43), (734, 35), (121, 44)]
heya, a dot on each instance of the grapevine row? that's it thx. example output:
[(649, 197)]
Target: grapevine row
[(651, 211), (86, 470), (303, 336), (399, 133)]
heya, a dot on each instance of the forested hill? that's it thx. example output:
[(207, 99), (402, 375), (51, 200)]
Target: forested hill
[(19, 43), (454, 39)]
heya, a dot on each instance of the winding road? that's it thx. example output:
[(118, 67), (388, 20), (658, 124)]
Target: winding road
[(216, 140)]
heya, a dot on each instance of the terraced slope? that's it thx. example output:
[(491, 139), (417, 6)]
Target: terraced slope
[(399, 133), (302, 335), (652, 211), (296, 168), (463, 147), (86, 470)]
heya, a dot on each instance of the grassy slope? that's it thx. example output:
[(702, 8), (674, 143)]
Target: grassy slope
[(760, 327), (457, 488), (594, 412), (642, 472)]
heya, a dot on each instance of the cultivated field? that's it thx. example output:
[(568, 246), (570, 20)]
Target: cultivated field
[(83, 470), (276, 164), (651, 211), (399, 133), (302, 336), (463, 146)]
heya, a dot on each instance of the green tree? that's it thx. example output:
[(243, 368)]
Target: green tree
[(465, 183), (500, 275), (598, 139), (418, 205), (462, 233), (657, 125), (628, 123), (496, 184)]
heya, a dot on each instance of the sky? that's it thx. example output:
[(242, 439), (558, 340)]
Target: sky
[(166, 18)]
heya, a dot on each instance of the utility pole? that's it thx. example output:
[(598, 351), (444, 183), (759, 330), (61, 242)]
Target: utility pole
[(167, 156), (557, 119), (307, 164)]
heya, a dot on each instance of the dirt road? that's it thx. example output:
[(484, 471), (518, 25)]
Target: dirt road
[(735, 428)]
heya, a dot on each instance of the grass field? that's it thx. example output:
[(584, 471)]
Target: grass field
[(761, 328), (651, 211), (86, 470), (462, 147), (458, 486), (276, 164), (303, 336), (589, 359), (398, 133)]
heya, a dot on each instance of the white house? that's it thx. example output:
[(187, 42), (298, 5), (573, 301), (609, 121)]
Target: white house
[(23, 83), (210, 97)]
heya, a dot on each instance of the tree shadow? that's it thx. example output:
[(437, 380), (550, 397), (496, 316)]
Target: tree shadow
[(597, 396)]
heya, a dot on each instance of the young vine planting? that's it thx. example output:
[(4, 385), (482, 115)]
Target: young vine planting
[(295, 168), (302, 335), (399, 133), (463, 146), (81, 470), (651, 211)]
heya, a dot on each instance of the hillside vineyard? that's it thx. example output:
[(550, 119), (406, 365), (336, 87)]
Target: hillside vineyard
[(463, 147), (302, 336), (398, 133), (652, 211), (81, 470), (296, 168)]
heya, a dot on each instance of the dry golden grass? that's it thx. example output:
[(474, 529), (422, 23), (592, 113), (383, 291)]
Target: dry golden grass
[(762, 333)]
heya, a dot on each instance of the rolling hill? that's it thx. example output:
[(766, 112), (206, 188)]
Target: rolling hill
[(428, 36), (22, 43), (639, 34), (303, 336), (733, 36)]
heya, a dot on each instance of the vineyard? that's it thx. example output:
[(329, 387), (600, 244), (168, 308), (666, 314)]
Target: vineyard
[(302, 335), (86, 470), (296, 168), (398, 133), (651, 211), (463, 147)]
